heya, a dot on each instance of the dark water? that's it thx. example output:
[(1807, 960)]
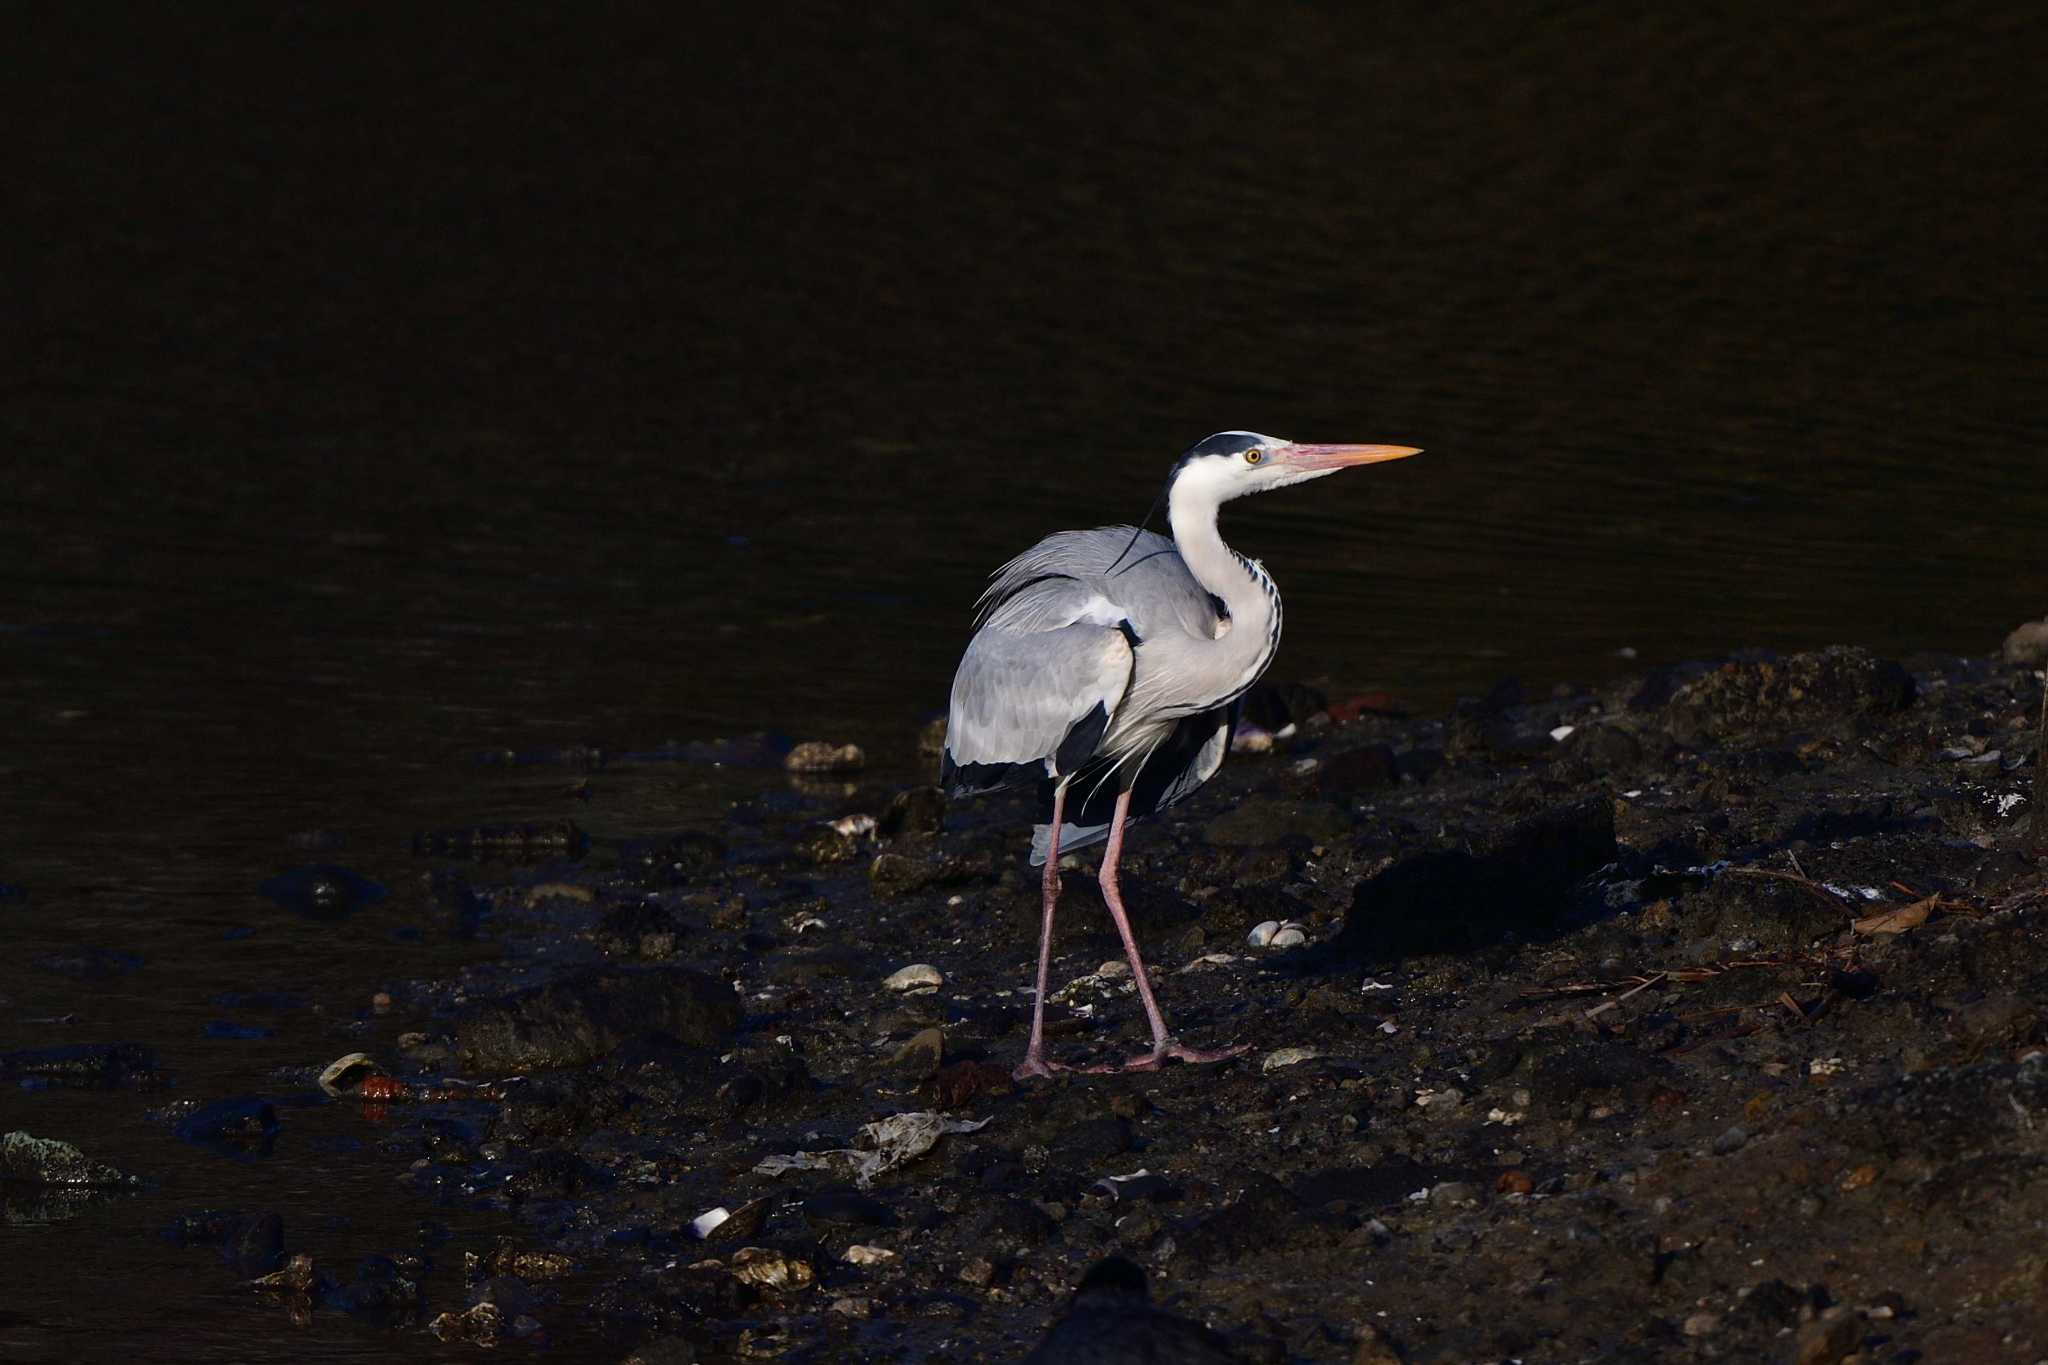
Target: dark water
[(395, 389)]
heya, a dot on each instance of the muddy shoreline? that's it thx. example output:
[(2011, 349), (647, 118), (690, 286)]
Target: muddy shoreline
[(1700, 1016)]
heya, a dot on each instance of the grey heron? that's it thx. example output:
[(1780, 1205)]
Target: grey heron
[(1105, 666)]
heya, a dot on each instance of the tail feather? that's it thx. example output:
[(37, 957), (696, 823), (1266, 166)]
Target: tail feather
[(1071, 838)]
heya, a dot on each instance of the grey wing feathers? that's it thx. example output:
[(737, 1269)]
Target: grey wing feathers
[(1037, 687), (1149, 585)]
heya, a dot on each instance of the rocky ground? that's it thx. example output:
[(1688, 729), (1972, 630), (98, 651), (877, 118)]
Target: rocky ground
[(1700, 1017)]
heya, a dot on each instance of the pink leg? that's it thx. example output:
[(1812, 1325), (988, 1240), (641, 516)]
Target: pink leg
[(1034, 1052), (1163, 1045)]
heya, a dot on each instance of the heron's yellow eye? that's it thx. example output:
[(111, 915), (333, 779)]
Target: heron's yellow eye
[(1254, 455)]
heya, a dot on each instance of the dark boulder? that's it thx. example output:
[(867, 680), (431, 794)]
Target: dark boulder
[(1467, 890), (1823, 690), (1111, 1321), (582, 1017)]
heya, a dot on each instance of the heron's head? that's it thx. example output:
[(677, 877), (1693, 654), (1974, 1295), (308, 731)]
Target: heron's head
[(1231, 464)]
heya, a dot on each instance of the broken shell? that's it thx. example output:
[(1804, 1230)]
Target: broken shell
[(918, 976), (722, 1224), (344, 1074), (1290, 936), (767, 1268), (1288, 1056), (854, 826), (866, 1255), (1263, 934)]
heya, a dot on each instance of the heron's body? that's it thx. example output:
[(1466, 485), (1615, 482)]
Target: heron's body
[(1107, 664), (1145, 662)]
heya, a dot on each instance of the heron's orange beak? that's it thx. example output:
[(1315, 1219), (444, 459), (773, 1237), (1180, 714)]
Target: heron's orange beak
[(1323, 459)]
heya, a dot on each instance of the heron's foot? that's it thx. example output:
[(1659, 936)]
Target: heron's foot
[(1034, 1068), (1170, 1051)]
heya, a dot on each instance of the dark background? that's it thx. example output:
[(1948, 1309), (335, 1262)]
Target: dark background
[(392, 384)]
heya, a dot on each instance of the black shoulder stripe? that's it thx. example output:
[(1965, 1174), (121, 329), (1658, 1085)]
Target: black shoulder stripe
[(1130, 632)]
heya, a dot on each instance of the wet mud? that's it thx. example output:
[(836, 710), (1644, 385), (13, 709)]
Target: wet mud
[(1701, 1016)]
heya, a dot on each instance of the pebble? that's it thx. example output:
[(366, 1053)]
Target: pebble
[(1440, 1103), (858, 1254), (1702, 1324), (1455, 1194), (817, 756), (1288, 1056), (1733, 1140), (918, 976), (1830, 1339)]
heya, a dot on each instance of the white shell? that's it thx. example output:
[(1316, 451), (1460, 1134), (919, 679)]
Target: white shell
[(1290, 936), (918, 976), (330, 1078), (1263, 934), (867, 1255), (1288, 1056)]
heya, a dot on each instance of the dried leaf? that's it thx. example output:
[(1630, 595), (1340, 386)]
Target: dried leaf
[(1897, 921)]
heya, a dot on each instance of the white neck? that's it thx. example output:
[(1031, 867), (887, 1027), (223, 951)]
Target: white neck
[(1191, 512)]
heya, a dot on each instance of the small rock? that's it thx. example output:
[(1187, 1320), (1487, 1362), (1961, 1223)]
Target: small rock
[(297, 1277), (1732, 1140), (920, 810), (817, 756), (860, 1254), (1455, 1194), (828, 844), (1441, 1104), (922, 1055), (1514, 1181), (46, 1161), (1288, 1056), (2028, 646), (1702, 1324), (918, 976), (1374, 1348), (242, 1119), (980, 1272), (767, 1268), (1830, 1339), (479, 1325), (322, 892)]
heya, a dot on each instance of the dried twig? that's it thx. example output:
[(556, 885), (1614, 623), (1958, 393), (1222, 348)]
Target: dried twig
[(1646, 983)]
